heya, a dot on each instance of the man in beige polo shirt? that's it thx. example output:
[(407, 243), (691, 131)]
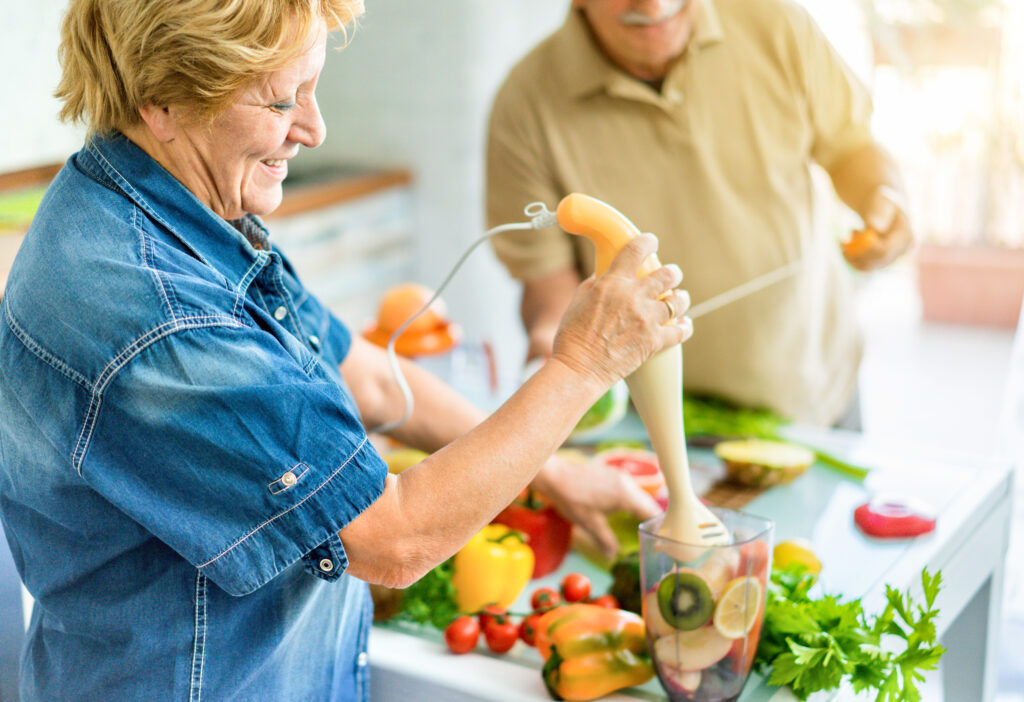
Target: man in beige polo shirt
[(699, 120)]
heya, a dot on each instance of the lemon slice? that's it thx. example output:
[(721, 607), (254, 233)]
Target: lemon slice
[(796, 551), (738, 607)]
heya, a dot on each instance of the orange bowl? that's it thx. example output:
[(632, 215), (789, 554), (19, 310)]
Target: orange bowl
[(403, 301)]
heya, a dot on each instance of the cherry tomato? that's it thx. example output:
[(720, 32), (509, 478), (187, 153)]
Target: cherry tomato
[(462, 634), (575, 587), (545, 598), (492, 613), (608, 601), (528, 629), (501, 636)]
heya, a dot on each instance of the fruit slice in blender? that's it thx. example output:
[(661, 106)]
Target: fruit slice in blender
[(738, 608), (692, 650), (686, 681), (718, 569), (656, 624), (684, 600)]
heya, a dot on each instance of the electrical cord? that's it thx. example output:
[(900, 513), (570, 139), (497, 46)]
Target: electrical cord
[(540, 218)]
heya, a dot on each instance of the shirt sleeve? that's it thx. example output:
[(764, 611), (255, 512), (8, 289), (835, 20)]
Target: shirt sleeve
[(518, 173), (239, 456), (839, 103)]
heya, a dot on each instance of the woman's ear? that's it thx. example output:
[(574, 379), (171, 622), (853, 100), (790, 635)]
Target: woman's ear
[(162, 121)]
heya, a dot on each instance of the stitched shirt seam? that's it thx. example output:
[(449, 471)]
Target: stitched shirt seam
[(122, 358), (37, 350), (298, 504)]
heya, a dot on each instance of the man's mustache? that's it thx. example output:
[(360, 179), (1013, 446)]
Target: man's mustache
[(639, 19)]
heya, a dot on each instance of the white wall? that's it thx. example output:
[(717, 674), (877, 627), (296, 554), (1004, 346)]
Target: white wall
[(30, 134), (413, 89)]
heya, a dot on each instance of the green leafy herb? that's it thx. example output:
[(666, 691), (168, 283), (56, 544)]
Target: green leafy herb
[(813, 644), (431, 599)]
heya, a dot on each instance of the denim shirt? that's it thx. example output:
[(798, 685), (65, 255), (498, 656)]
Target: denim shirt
[(177, 452)]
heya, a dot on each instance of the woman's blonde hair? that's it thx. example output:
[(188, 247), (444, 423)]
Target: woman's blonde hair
[(118, 55)]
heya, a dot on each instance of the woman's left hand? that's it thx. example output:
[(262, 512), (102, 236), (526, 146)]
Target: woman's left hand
[(587, 492)]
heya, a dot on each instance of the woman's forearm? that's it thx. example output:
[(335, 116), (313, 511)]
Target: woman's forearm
[(434, 507)]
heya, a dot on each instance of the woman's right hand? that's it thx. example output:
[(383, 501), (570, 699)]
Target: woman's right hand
[(616, 322)]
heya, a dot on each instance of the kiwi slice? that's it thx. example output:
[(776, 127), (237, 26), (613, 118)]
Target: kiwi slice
[(684, 600)]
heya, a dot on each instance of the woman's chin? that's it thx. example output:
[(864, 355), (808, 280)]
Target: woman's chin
[(263, 203)]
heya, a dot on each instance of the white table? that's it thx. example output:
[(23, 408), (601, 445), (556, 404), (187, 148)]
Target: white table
[(969, 546)]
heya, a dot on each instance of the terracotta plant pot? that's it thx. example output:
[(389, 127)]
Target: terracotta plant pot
[(971, 285)]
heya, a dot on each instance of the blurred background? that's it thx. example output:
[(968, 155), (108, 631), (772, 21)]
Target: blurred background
[(396, 194)]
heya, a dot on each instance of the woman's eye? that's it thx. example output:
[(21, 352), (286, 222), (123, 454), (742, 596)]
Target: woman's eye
[(283, 106)]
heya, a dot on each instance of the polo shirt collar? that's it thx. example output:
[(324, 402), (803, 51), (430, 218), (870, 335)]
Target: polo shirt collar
[(119, 163), (586, 68)]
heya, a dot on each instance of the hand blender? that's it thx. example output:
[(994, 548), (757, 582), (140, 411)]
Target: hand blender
[(656, 387)]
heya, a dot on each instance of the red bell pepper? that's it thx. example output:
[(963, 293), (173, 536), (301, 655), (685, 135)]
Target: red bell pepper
[(547, 532)]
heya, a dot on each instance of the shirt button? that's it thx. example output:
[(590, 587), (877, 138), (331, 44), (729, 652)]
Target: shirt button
[(314, 342), (288, 479), (326, 565), (674, 96), (361, 659), (280, 313)]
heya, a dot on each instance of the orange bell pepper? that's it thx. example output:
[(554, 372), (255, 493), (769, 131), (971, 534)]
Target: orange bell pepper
[(590, 651)]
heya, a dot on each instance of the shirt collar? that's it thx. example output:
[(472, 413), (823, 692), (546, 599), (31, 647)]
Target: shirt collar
[(586, 68), (119, 163)]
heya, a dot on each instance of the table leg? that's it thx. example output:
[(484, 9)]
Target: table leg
[(969, 666)]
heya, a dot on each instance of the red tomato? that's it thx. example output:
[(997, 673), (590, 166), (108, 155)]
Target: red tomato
[(608, 601), (492, 613), (528, 629), (500, 637), (575, 587), (462, 634), (544, 598)]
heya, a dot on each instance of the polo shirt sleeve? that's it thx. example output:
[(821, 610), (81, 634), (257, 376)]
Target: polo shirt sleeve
[(518, 173), (839, 103), (240, 454)]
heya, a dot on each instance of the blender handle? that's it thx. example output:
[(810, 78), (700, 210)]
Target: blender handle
[(604, 225)]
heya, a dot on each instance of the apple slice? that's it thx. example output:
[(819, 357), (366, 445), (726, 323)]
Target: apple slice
[(686, 682), (656, 623), (719, 569), (692, 650)]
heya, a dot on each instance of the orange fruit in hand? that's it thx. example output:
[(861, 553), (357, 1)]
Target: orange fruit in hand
[(860, 240)]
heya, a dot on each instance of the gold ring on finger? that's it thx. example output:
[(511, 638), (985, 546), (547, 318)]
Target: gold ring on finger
[(671, 308)]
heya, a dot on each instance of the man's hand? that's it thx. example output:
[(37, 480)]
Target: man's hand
[(585, 493), (886, 216)]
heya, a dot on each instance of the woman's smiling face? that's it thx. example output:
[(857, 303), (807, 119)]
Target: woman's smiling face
[(236, 164)]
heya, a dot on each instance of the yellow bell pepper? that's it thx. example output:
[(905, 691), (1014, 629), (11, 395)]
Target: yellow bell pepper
[(590, 651), (492, 568)]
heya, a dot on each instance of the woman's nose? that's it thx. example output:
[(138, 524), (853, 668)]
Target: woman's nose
[(309, 129)]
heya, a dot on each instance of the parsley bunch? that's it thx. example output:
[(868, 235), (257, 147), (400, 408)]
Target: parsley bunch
[(813, 644), (431, 599)]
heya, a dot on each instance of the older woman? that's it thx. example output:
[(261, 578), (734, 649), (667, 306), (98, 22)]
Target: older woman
[(184, 474)]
